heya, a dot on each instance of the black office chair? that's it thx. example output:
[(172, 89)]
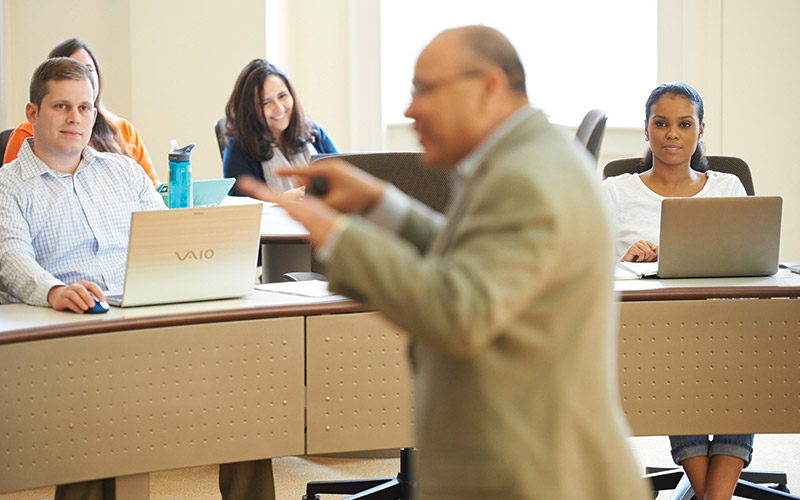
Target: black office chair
[(727, 164), (432, 187), (404, 170), (591, 130), (219, 129), (751, 483), (4, 135)]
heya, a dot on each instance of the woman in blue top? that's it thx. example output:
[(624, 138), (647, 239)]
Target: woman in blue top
[(267, 129)]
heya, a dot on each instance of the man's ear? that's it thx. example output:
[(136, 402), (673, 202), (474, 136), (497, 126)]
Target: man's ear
[(31, 112), (494, 88), (494, 80)]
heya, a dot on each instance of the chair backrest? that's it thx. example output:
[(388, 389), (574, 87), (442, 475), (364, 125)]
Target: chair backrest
[(591, 130), (219, 129), (431, 186), (4, 135), (727, 164)]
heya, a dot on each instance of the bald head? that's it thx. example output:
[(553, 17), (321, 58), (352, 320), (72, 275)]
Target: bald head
[(482, 45), (467, 82)]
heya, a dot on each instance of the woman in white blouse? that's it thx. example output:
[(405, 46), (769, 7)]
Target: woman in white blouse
[(675, 166)]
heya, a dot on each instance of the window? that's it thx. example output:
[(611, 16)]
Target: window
[(577, 54)]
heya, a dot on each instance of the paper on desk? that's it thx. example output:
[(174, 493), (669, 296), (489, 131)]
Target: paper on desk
[(310, 288), (635, 270), (243, 200), (623, 273)]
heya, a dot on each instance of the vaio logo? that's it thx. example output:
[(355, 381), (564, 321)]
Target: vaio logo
[(199, 255)]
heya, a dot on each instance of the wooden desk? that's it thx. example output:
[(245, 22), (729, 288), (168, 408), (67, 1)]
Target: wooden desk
[(710, 356), (164, 387)]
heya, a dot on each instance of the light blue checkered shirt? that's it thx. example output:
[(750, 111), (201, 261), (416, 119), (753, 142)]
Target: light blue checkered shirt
[(58, 228)]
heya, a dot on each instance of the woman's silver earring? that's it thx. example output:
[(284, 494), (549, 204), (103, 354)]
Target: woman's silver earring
[(647, 138)]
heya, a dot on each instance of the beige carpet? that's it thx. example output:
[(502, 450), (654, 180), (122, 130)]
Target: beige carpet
[(772, 452)]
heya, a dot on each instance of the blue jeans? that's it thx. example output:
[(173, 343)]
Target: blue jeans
[(703, 445)]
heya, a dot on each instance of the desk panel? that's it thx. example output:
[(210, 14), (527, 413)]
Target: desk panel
[(123, 403), (710, 366), (359, 384)]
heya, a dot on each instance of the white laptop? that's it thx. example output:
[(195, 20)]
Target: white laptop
[(190, 254), (716, 237)]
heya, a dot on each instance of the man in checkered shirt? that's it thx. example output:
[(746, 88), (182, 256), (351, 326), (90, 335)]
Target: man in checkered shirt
[(65, 209)]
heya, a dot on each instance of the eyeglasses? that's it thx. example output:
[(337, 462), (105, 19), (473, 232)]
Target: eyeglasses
[(420, 89)]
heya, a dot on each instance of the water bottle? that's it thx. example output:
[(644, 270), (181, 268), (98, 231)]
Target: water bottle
[(180, 176)]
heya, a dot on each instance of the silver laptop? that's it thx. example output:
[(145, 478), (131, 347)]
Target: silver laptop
[(190, 254), (717, 237)]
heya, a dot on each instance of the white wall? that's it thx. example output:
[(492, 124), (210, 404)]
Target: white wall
[(760, 71), (3, 93), (334, 62), (184, 59), (744, 59), (32, 28)]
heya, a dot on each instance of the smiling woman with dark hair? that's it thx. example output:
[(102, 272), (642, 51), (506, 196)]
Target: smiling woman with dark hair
[(267, 128)]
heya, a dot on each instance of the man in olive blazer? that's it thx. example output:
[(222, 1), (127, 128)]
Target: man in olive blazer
[(507, 298)]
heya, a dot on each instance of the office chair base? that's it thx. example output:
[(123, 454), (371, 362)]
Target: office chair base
[(303, 276), (389, 488), (752, 484)]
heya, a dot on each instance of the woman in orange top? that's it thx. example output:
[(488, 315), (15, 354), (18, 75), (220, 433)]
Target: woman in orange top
[(110, 133)]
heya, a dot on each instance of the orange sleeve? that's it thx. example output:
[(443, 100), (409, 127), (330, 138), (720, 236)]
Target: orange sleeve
[(15, 140), (133, 144)]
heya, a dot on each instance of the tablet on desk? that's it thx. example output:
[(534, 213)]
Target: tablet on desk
[(791, 266), (205, 193)]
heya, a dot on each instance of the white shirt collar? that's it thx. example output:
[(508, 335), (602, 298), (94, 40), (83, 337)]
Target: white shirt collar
[(34, 166)]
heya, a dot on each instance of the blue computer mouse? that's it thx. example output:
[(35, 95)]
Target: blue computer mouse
[(100, 306)]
